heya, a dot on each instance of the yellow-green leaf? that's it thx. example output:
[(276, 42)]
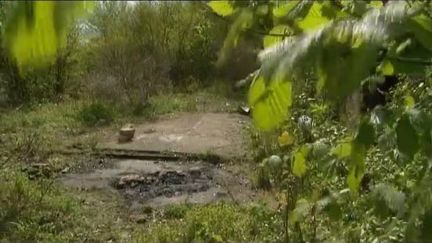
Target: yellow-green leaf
[(33, 39), (299, 165), (342, 150), (386, 67), (285, 139), (409, 101), (222, 8), (269, 101), (283, 9), (270, 40), (356, 166), (314, 18)]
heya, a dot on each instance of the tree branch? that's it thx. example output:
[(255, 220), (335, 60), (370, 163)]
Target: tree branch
[(411, 60)]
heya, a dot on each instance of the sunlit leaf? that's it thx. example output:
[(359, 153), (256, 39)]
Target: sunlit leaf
[(342, 150), (284, 8), (277, 30), (269, 101), (36, 30), (299, 164), (409, 101), (407, 138), (315, 18), (285, 139), (356, 166), (223, 8)]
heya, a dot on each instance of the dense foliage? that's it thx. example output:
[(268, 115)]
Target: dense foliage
[(338, 172), (341, 46)]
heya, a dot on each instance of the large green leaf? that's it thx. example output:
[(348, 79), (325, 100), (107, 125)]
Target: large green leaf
[(342, 150), (282, 9), (407, 138), (270, 101), (301, 210), (272, 39), (421, 26), (36, 30), (408, 60), (299, 164), (365, 134), (343, 66), (223, 8), (356, 166), (313, 19)]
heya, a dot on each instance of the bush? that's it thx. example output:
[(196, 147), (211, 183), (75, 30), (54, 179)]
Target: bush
[(95, 114)]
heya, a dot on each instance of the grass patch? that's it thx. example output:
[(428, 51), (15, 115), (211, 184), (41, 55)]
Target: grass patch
[(31, 210), (221, 222)]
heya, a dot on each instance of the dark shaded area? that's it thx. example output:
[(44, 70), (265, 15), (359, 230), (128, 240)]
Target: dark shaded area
[(378, 96)]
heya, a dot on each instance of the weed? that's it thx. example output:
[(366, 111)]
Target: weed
[(95, 114)]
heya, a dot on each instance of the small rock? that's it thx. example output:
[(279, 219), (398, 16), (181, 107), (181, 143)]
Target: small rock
[(139, 219), (65, 170)]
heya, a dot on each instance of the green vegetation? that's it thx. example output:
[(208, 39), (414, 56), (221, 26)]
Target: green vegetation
[(341, 106)]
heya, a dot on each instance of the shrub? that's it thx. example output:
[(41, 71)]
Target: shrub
[(95, 114)]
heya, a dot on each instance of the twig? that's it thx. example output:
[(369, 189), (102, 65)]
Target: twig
[(411, 60)]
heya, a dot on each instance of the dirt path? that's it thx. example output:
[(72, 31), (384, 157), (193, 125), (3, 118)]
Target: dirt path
[(159, 182)]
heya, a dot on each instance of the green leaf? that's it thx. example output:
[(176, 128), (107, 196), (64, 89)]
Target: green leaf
[(270, 40), (285, 139), (222, 8), (300, 212), (421, 26), (318, 15), (409, 101), (282, 10), (342, 67), (356, 166), (407, 138), (36, 30), (269, 101), (394, 63), (365, 134), (299, 164), (342, 150)]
